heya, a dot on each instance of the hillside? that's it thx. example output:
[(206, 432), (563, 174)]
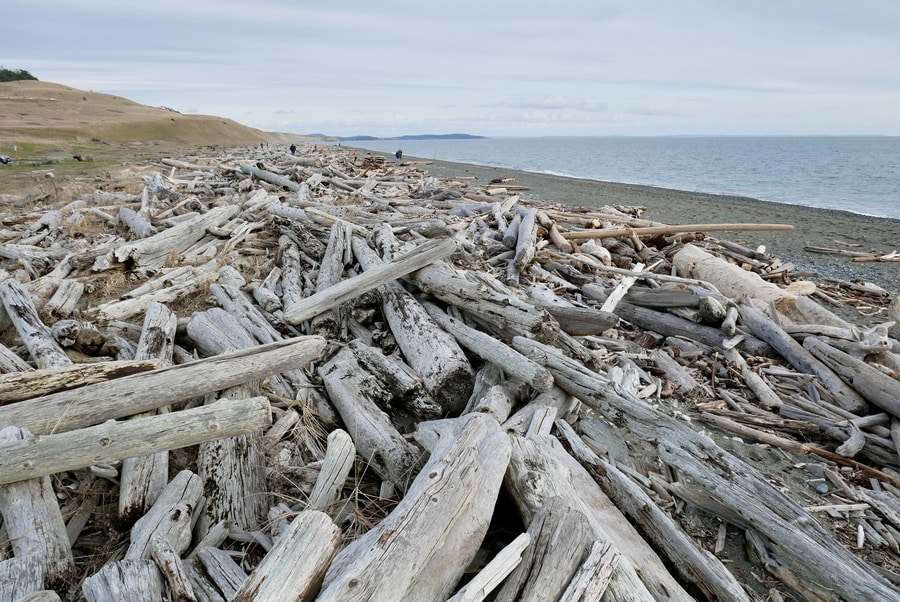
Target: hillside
[(40, 117)]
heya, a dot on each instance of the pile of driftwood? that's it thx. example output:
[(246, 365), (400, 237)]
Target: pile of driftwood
[(268, 377)]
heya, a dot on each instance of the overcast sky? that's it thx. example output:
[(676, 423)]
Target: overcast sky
[(488, 67)]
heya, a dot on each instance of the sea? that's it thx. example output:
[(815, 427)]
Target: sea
[(859, 174)]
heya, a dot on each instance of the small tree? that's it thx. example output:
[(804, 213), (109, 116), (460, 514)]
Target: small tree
[(12, 75)]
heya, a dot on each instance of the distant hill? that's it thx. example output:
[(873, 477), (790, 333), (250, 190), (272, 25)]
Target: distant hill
[(416, 137), (41, 114)]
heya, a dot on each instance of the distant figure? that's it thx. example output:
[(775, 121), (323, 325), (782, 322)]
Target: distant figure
[(293, 149), (399, 154)]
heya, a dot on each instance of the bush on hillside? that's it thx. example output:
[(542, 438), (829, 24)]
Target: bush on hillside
[(12, 75)]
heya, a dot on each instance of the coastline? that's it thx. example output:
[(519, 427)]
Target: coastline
[(813, 226)]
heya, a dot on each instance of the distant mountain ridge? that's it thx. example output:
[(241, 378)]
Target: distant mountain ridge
[(416, 137)]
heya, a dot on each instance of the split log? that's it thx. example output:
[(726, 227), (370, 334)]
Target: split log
[(295, 567), (541, 470), (68, 410), (493, 574), (115, 440), (354, 392), (421, 549)]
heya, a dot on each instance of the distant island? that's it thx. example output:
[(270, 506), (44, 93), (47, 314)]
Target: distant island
[(415, 137)]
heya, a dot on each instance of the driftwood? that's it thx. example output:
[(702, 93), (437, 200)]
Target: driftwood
[(506, 399)]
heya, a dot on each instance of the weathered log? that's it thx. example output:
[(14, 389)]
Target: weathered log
[(429, 350), (64, 300), (581, 321), (68, 410), (125, 580), (351, 287), (513, 363), (271, 178), (153, 252), (17, 386), (421, 549), (9, 361), (34, 333), (806, 548), (801, 359), (354, 392), (541, 470), (406, 387), (295, 567), (659, 230), (32, 519), (115, 440), (170, 565), (169, 518), (877, 387), (135, 222), (336, 466), (671, 325), (331, 271)]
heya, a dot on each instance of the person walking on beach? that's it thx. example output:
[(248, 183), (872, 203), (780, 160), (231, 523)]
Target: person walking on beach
[(293, 149), (399, 154)]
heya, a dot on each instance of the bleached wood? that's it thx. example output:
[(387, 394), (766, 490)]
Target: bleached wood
[(331, 271), (18, 578), (488, 348), (9, 361), (131, 219), (421, 549), (68, 410), (125, 580), (766, 329), (806, 548), (115, 440), (621, 289), (493, 574), (169, 518), (171, 566), (17, 386), (33, 332), (271, 178), (32, 518), (429, 350), (154, 251), (541, 470), (353, 391), (293, 570), (64, 300), (594, 575), (407, 388), (339, 457), (351, 287)]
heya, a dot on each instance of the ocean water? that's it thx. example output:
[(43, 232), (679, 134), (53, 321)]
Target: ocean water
[(856, 174)]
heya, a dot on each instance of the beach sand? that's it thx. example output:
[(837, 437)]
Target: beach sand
[(813, 227)]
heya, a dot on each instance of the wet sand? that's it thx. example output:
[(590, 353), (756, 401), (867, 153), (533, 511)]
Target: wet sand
[(812, 227)]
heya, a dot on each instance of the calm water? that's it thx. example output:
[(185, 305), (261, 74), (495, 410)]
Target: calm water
[(858, 174)]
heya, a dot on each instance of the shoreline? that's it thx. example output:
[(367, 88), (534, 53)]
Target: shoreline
[(813, 226)]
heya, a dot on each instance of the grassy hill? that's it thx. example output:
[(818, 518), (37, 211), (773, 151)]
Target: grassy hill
[(41, 117), (43, 126)]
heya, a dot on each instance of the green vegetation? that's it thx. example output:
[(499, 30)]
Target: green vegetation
[(14, 75)]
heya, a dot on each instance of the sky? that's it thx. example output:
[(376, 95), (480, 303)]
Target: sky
[(495, 68)]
